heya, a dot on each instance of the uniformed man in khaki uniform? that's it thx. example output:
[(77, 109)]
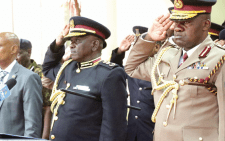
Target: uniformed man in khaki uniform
[(188, 78)]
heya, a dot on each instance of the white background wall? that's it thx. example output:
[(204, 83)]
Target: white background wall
[(40, 21)]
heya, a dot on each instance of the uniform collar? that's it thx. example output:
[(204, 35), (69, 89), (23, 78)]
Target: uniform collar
[(88, 64), (190, 52)]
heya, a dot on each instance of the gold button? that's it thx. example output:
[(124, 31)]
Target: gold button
[(56, 118), (165, 123), (138, 101), (181, 82), (174, 77), (136, 117), (167, 106), (200, 138), (140, 89), (52, 137)]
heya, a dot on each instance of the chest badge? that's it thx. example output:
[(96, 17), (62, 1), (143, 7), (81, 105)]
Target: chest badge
[(82, 88)]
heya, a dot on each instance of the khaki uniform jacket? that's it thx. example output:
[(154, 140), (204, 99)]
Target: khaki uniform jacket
[(200, 115)]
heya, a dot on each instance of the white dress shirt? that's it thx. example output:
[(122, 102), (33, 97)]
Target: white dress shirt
[(8, 69)]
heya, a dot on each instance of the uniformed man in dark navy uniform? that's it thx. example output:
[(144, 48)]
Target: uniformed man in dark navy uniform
[(140, 126), (77, 118)]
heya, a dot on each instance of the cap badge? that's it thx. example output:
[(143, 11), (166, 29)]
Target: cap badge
[(72, 23), (178, 4)]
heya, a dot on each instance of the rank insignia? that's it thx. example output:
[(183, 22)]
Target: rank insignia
[(198, 65), (205, 52), (82, 88), (178, 4), (72, 23)]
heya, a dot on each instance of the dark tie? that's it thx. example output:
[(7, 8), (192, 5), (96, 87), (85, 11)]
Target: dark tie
[(185, 56), (2, 75)]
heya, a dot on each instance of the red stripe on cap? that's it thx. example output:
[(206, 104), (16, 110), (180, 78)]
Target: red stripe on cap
[(214, 31), (91, 28), (194, 8)]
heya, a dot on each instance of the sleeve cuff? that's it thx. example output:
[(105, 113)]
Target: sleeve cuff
[(143, 36)]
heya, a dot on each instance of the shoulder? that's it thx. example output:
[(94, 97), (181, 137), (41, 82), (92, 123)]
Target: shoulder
[(26, 73), (108, 65), (111, 69), (219, 46)]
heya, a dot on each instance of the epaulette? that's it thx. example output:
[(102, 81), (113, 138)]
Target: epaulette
[(108, 64), (219, 46)]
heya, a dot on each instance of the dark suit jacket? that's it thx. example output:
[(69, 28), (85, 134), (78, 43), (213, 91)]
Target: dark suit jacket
[(21, 112), (140, 125), (84, 119)]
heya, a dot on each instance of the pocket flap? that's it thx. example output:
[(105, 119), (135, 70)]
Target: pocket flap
[(200, 134)]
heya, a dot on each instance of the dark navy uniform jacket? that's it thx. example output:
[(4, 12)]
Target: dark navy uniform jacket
[(140, 126), (84, 119)]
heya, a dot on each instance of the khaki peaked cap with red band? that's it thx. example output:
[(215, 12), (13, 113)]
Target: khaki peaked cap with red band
[(81, 26), (214, 30), (188, 9)]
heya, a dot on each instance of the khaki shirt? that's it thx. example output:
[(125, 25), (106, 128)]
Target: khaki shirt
[(200, 115)]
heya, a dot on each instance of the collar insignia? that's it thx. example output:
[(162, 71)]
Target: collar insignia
[(204, 53), (88, 64)]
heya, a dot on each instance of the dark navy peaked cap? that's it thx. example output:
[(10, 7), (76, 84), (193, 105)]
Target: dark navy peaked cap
[(214, 30), (170, 9), (141, 29), (222, 35), (25, 44), (80, 26)]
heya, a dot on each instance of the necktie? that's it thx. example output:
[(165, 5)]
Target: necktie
[(2, 75), (185, 56)]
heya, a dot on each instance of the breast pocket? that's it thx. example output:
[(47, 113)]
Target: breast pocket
[(164, 69), (200, 134)]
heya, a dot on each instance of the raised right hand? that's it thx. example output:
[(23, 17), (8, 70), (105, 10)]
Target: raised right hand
[(125, 44), (157, 31), (64, 32)]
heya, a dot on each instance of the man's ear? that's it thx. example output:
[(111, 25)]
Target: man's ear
[(14, 49), (206, 24), (96, 45)]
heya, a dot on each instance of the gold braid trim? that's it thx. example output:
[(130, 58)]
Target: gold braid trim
[(167, 85), (55, 93), (206, 80)]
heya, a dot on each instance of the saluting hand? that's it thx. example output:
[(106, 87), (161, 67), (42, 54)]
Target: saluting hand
[(64, 32), (77, 8), (125, 44), (157, 31)]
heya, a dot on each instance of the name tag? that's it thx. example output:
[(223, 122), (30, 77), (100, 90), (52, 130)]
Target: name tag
[(80, 87)]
